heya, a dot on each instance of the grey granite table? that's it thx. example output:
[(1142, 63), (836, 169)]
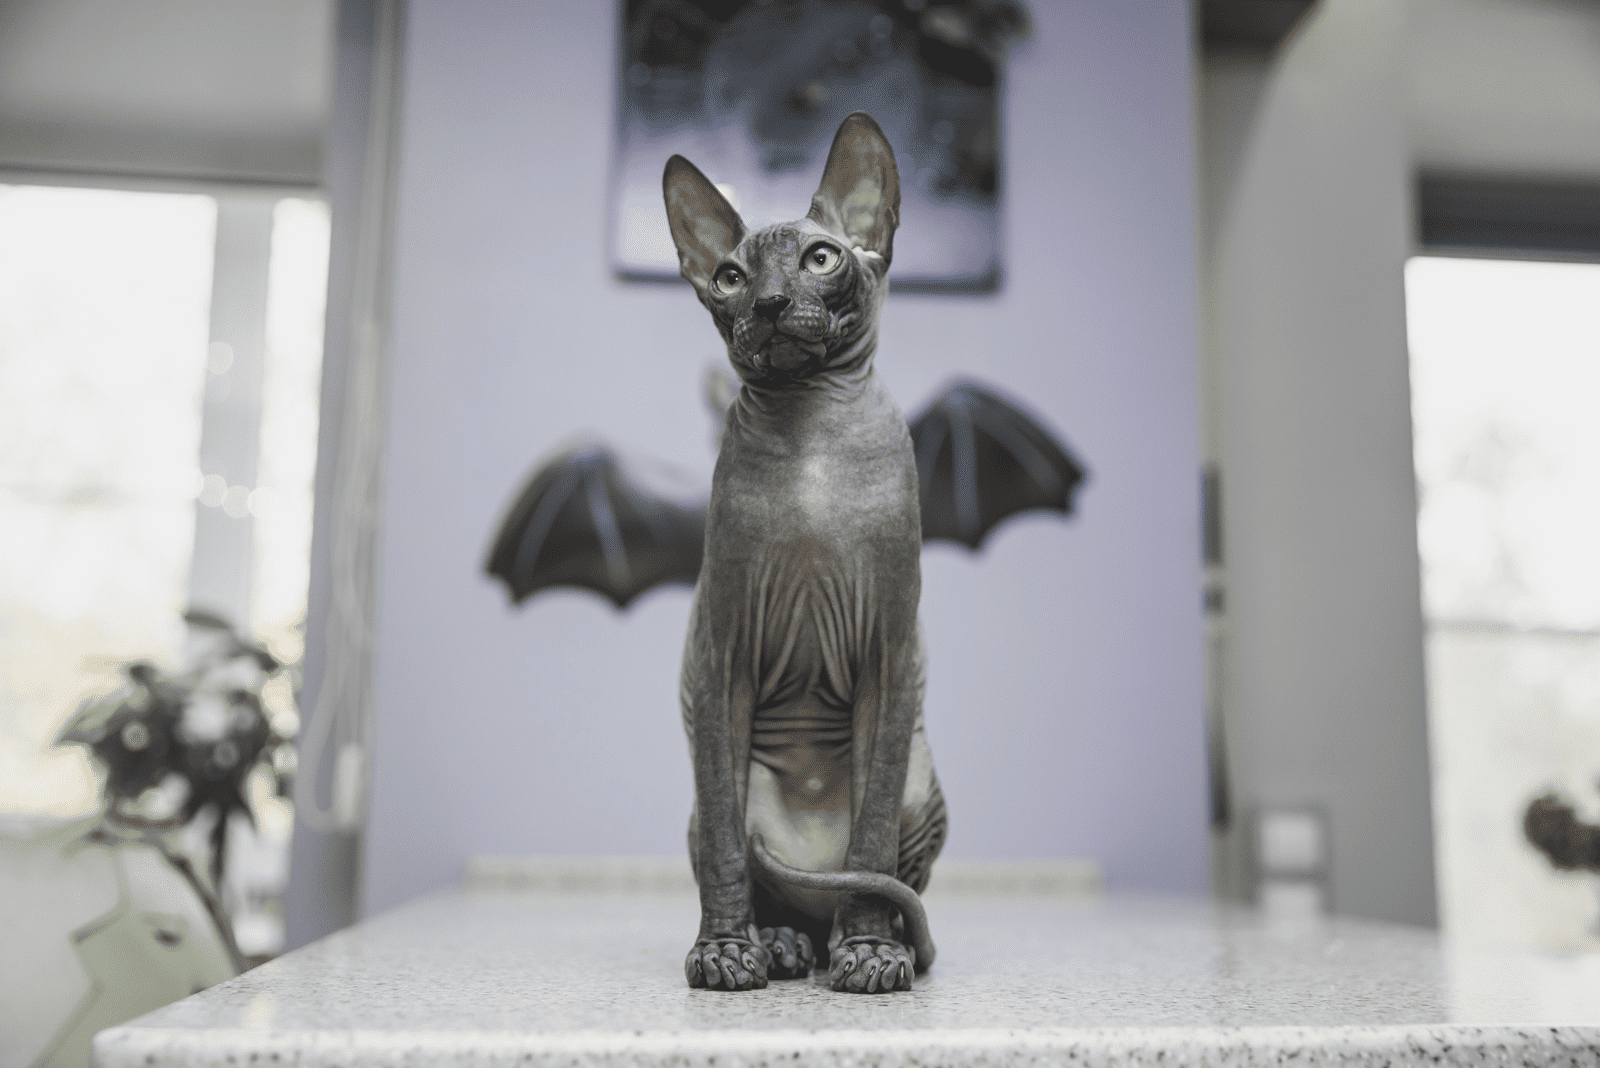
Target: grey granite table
[(571, 970)]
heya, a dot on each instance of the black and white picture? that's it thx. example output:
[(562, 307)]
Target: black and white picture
[(752, 90)]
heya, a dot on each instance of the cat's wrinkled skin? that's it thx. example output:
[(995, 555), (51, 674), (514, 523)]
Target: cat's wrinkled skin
[(803, 667)]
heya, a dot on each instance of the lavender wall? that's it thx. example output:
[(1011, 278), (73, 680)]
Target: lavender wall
[(1064, 702)]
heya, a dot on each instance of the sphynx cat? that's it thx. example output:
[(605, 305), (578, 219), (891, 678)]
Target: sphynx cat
[(817, 813)]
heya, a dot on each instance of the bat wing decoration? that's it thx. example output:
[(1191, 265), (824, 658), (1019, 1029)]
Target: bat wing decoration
[(587, 518), (981, 460)]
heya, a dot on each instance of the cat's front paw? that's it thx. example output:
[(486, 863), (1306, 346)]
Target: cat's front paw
[(866, 964), (790, 951), (731, 962)]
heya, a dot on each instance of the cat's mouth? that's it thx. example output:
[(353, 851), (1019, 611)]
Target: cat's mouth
[(785, 352)]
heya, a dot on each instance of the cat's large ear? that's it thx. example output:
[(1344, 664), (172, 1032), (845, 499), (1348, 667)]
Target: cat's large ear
[(859, 197), (704, 225)]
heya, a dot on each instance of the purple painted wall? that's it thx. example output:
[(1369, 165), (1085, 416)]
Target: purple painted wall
[(1065, 696)]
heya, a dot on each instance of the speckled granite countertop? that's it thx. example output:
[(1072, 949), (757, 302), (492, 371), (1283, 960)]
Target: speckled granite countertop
[(497, 977)]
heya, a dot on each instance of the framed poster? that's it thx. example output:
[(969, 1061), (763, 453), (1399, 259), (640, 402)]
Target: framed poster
[(752, 91)]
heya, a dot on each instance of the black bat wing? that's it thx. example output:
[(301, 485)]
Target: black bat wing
[(982, 459), (584, 520)]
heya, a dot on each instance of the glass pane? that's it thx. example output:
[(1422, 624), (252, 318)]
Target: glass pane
[(285, 479), (104, 300), (1505, 369)]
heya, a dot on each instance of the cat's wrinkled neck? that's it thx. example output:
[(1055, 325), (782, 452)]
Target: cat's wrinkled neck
[(833, 406)]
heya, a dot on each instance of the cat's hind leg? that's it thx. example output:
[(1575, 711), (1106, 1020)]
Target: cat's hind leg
[(789, 936), (790, 951)]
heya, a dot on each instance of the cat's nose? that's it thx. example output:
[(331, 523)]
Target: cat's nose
[(769, 308)]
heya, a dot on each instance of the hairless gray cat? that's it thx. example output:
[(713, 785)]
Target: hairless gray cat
[(817, 813)]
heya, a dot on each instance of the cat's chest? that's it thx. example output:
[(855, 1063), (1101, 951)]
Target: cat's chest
[(820, 486), (827, 494)]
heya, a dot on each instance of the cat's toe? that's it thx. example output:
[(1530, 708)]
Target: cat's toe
[(870, 965), (727, 964), (791, 952)]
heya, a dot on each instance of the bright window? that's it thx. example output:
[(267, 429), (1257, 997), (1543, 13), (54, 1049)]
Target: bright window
[(1505, 371), (153, 346), (281, 502), (104, 308)]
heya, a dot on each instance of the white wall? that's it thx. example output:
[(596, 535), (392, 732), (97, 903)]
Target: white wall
[(1064, 702), (1505, 86), (1307, 202), (193, 90)]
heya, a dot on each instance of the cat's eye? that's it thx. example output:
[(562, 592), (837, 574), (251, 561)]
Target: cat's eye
[(821, 259), (729, 280)]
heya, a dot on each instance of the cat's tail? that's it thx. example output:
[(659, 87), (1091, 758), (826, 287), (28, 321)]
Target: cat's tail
[(898, 893)]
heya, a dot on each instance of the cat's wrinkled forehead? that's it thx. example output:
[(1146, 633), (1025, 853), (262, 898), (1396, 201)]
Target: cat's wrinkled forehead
[(784, 237)]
